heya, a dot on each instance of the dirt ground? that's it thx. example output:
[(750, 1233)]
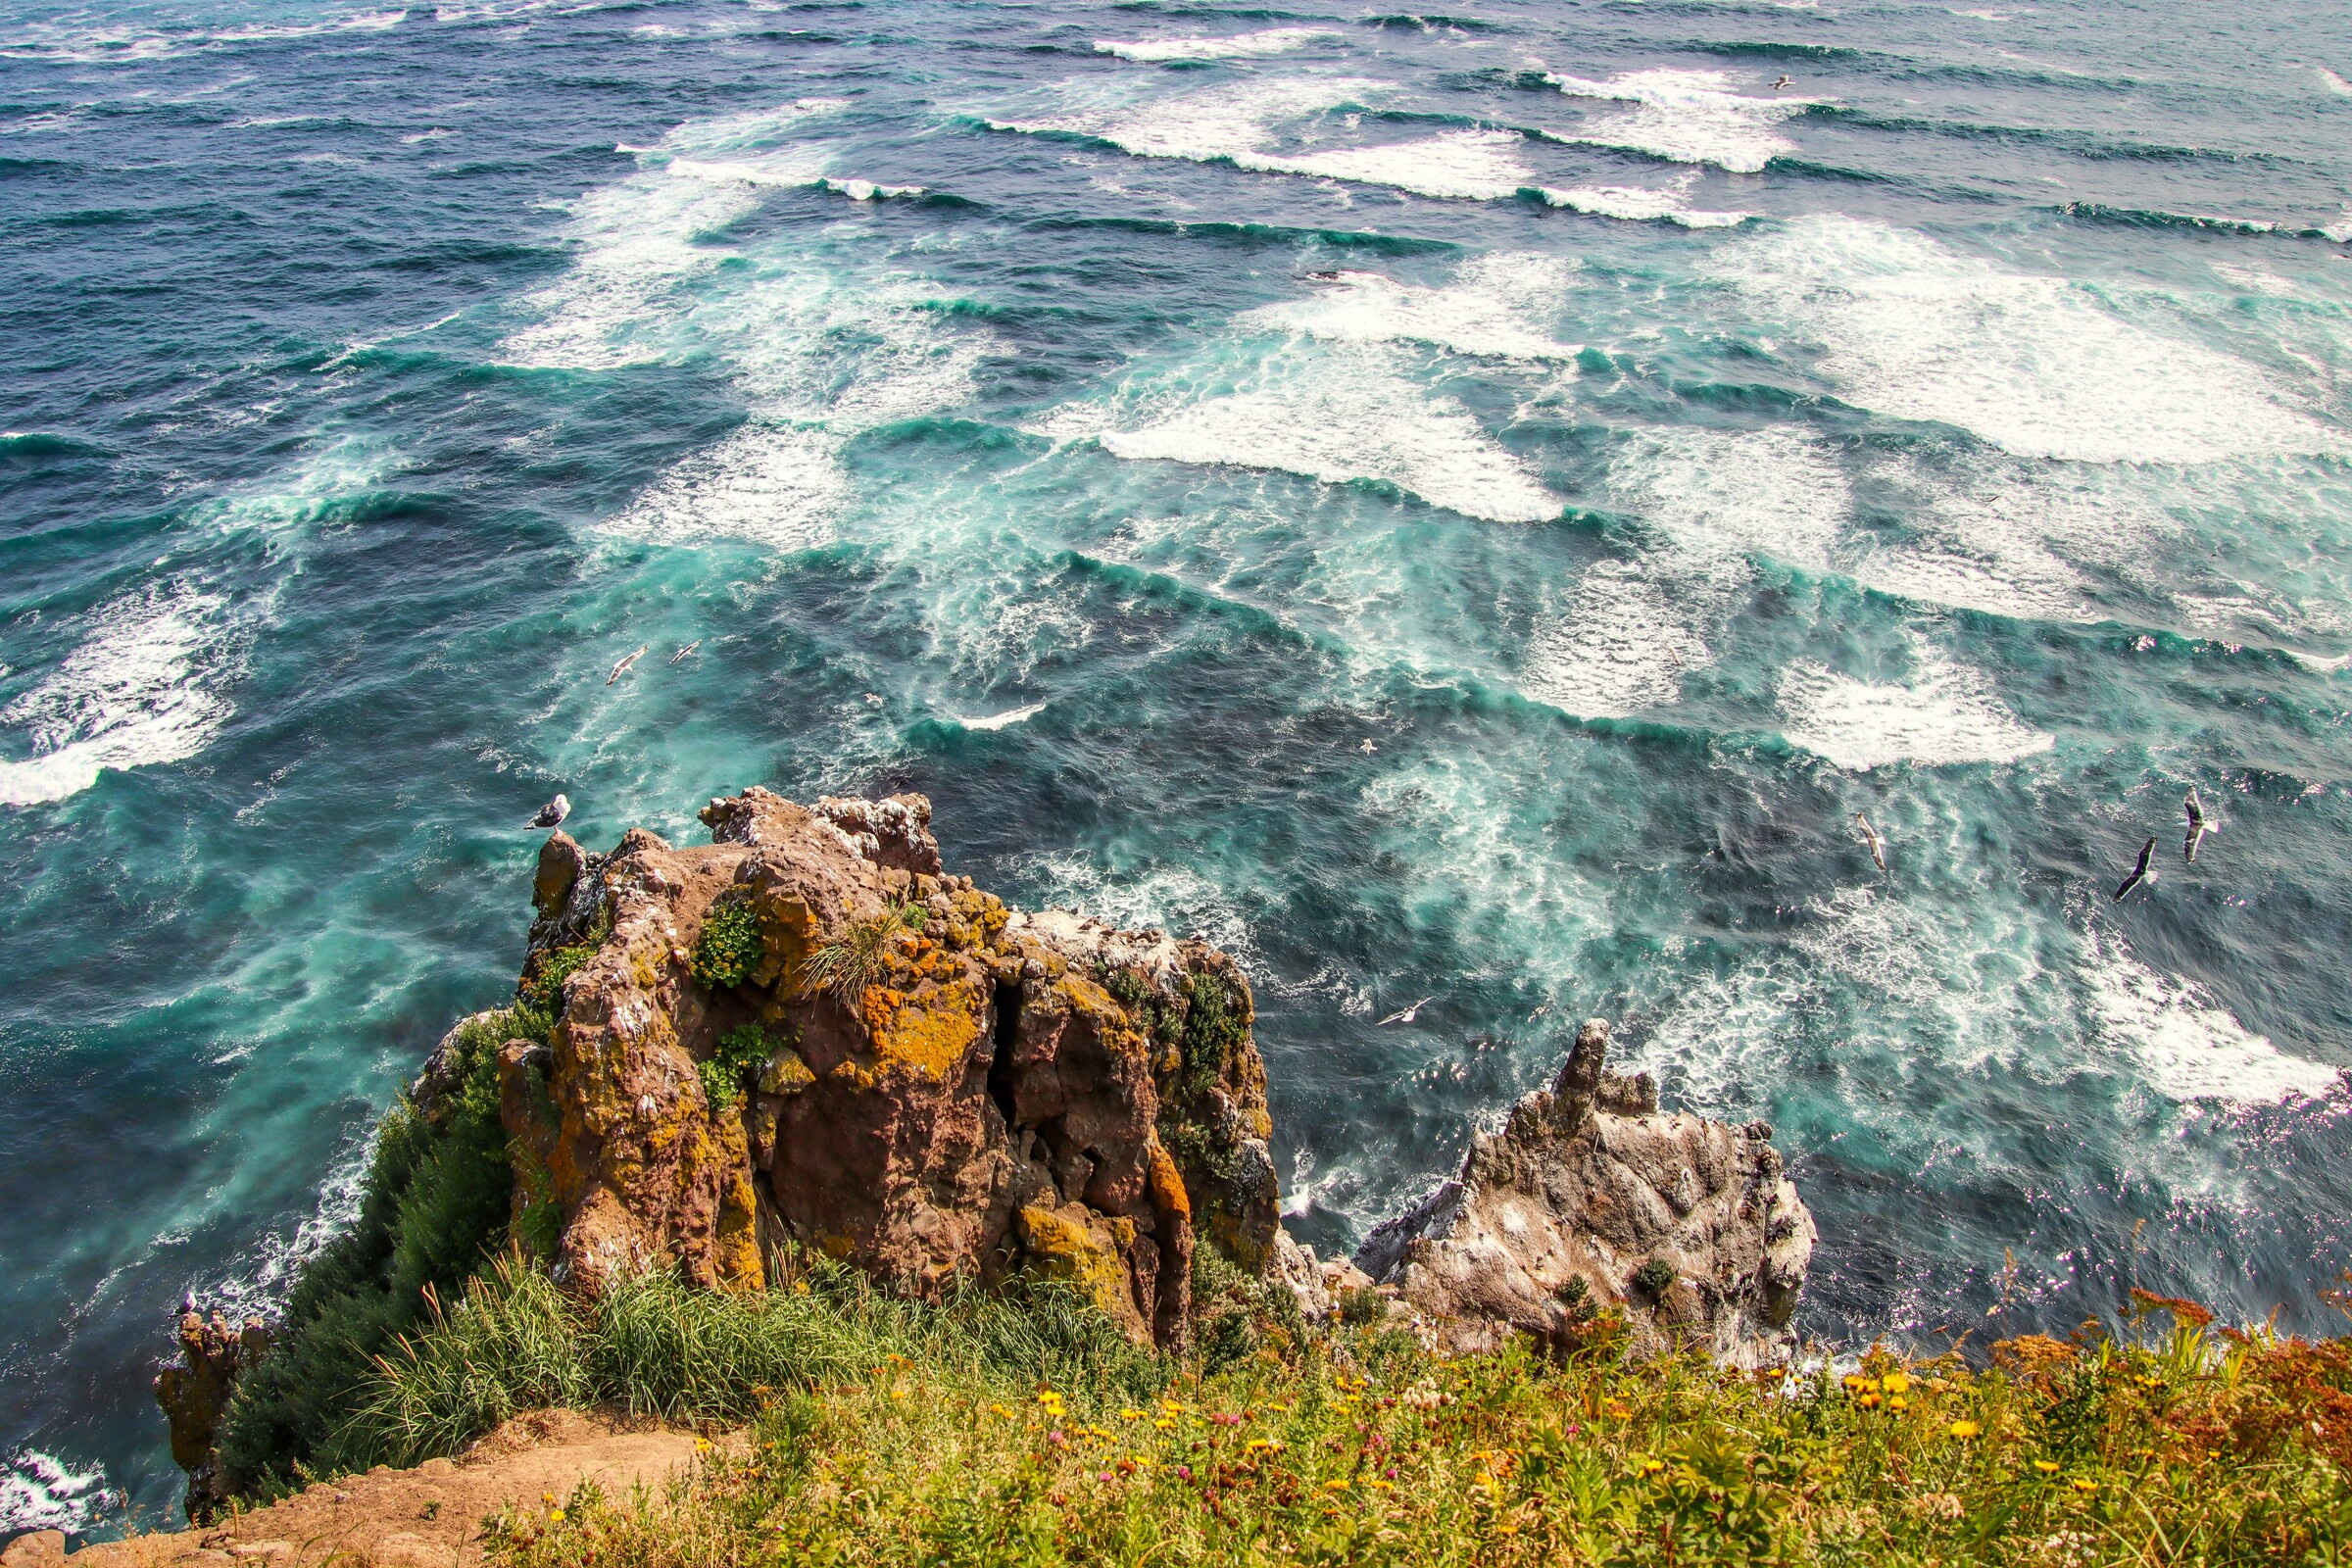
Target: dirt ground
[(429, 1517)]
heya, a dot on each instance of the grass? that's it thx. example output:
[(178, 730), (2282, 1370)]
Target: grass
[(1025, 1431), (858, 958), (433, 1203), (729, 946)]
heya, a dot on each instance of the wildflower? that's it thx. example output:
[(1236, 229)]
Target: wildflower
[(1897, 1403), (556, 1515), (1257, 1444), (1131, 1414), (897, 1393), (1619, 1412), (1382, 1485), (1184, 1472), (1964, 1429), (1056, 1438), (1000, 1410), (1337, 1485), (549, 1497), (2082, 1485), (1895, 1383), (1049, 1399), (702, 1444), (1650, 1467), (1164, 1424), (2047, 1467), (1868, 1401), (1102, 1475)]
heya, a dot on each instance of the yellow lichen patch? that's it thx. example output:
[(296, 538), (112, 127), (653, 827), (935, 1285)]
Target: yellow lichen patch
[(929, 1030), (836, 1246), (1065, 1248), (786, 1074), (788, 931), (1167, 1185), (1113, 1026)]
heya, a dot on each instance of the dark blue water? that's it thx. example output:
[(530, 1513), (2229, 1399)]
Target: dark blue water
[(1453, 505)]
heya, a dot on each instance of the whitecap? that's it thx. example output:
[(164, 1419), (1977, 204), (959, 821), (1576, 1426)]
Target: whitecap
[(777, 485), (41, 1491), (1006, 719), (1945, 714), (2186, 1045), (1687, 117), (1273, 40), (1357, 421), (132, 695), (1772, 493), (2334, 82), (1640, 204), (1619, 647), (1487, 309), (1454, 164), (2041, 367)]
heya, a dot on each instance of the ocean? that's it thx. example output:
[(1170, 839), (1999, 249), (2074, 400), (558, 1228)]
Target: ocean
[(1460, 506)]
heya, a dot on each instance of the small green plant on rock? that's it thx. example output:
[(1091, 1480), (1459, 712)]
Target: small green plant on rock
[(846, 965), (1363, 1307), (728, 948), (539, 999), (1655, 1278), (740, 1052)]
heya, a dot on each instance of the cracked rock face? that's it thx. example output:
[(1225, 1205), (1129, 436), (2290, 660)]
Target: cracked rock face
[(986, 1092), (1589, 1197)]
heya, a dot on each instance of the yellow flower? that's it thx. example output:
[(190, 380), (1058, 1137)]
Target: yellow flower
[(555, 1514), (1899, 1403), (1164, 1424), (998, 1410), (2047, 1467), (1652, 1466), (1341, 1485), (549, 1497), (1867, 1401), (1895, 1383), (1131, 1414), (2082, 1485), (702, 1444), (1382, 1485), (1964, 1429)]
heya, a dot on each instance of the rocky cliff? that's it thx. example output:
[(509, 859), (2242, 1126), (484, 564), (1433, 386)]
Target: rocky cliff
[(806, 1036), (1590, 1198), (806, 1032)]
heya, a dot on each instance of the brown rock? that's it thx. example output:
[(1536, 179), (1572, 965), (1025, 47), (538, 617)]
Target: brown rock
[(1590, 1183), (195, 1394), (35, 1549), (1000, 1093)]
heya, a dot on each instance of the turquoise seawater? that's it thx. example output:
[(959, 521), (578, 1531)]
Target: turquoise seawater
[(1456, 505)]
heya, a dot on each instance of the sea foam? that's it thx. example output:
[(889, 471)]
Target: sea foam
[(1491, 308), (131, 694), (1686, 116), (1943, 714), (2186, 1045), (2040, 365), (1355, 421), (1273, 40)]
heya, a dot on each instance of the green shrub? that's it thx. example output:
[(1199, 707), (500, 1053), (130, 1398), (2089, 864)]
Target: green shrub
[(728, 948), (1655, 1278), (1577, 1296), (432, 1207), (740, 1051), (1362, 1305)]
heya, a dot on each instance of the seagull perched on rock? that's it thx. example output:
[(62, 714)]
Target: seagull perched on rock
[(1403, 1015), (2198, 827), (620, 666), (553, 814), (1870, 836), (2142, 872), (685, 651)]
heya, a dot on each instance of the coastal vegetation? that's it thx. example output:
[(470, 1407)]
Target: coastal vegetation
[(850, 1426)]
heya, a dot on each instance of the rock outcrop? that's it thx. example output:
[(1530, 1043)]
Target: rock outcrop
[(806, 1032), (1590, 1198), (195, 1396)]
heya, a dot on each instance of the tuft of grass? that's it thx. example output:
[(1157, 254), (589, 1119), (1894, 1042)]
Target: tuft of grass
[(729, 947), (857, 958), (1360, 1447), (1655, 1278)]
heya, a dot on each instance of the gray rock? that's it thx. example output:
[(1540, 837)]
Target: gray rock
[(1589, 1181)]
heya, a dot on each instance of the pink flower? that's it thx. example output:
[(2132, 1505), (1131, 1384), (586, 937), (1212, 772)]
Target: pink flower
[(1102, 1475), (1390, 1474), (1056, 1438), (1184, 1472)]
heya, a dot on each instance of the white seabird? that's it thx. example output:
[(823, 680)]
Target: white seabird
[(553, 814), (1402, 1014), (620, 666)]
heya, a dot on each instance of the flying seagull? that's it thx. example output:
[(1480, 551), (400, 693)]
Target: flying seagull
[(2197, 825), (2142, 872), (1870, 836), (1367, 748), (685, 651), (1403, 1015), (1783, 81), (872, 700), (553, 814), (620, 667)]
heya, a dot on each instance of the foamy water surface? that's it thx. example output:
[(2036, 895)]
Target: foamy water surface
[(1462, 505)]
